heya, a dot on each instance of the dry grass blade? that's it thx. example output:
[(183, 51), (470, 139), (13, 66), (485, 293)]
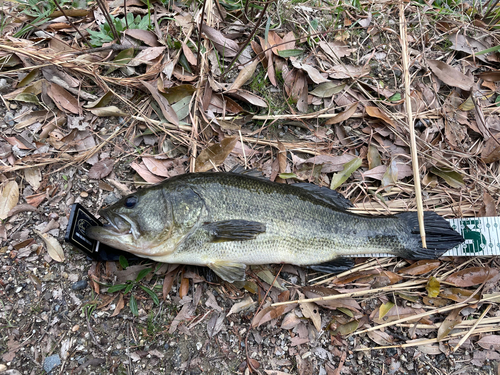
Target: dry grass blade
[(466, 336), (423, 315), (420, 342), (411, 127), (402, 286)]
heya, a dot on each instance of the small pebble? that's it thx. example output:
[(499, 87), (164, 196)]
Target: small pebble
[(13, 106), (75, 328), (4, 86), (9, 119), (84, 194), (51, 362), (11, 372), (79, 285)]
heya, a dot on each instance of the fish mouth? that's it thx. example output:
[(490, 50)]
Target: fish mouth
[(118, 226)]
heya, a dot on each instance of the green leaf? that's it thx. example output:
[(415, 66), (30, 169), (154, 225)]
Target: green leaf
[(452, 178), (327, 89), (128, 288), (143, 274), (384, 309), (284, 176), (395, 98), (123, 262), (133, 306), (290, 52), (346, 311), (151, 293), (116, 288), (340, 177), (181, 108)]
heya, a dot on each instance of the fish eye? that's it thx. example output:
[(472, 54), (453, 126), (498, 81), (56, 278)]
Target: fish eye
[(131, 201)]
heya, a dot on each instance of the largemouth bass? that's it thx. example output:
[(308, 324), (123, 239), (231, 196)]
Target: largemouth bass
[(226, 221)]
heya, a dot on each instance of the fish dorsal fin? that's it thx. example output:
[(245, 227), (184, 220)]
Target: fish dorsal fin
[(239, 169), (326, 195), (234, 230), (228, 271)]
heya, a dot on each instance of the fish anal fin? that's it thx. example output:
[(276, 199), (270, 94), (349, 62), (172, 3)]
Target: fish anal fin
[(326, 195), (228, 271), (334, 266), (234, 230)]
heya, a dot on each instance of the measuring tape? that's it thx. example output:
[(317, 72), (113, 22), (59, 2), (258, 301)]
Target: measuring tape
[(482, 236)]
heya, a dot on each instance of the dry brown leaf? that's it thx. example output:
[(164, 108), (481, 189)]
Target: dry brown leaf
[(168, 282), (311, 71), (242, 305), (219, 103), (451, 76), (281, 157), (226, 47), (490, 342), (248, 97), (275, 41), (8, 199), (449, 323), (336, 49), (470, 45), (215, 155), (142, 170), (158, 167), (147, 56), (54, 248), (63, 99), (110, 111), (165, 107), (420, 268), (381, 338), (344, 115), (397, 312), (311, 311), (493, 76), (318, 291), (33, 175), (459, 294), (348, 71), (184, 288), (269, 313), (148, 37), (244, 75), (378, 113), (471, 276), (101, 169), (119, 305), (190, 56), (488, 208), (491, 149), (269, 57), (291, 320)]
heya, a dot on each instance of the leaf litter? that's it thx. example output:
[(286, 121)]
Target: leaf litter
[(85, 125)]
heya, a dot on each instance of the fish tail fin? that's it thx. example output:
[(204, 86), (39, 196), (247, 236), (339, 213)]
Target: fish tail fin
[(440, 236)]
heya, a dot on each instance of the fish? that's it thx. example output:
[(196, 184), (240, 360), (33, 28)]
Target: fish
[(230, 220)]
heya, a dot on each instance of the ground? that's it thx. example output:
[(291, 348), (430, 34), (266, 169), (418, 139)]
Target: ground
[(315, 94)]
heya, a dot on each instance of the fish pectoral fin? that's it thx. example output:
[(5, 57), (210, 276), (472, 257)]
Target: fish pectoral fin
[(234, 230), (228, 271), (334, 266)]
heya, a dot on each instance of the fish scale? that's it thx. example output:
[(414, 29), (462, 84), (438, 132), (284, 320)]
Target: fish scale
[(227, 221)]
